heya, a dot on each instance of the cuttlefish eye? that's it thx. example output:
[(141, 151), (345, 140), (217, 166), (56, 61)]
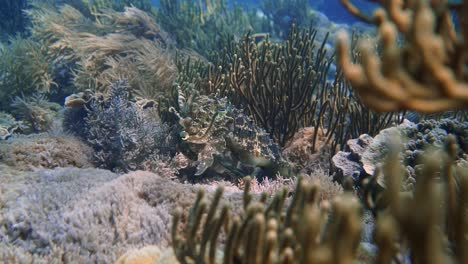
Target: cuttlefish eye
[(184, 135), (186, 122)]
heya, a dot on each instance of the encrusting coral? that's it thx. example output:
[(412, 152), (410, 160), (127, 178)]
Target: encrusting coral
[(40, 151), (364, 156), (89, 214), (428, 72)]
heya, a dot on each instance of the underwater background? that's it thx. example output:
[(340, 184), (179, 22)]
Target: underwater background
[(218, 131)]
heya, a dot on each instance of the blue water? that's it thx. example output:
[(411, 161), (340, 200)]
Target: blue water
[(333, 9)]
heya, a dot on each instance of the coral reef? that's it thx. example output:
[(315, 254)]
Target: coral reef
[(270, 233), (123, 134), (428, 72), (298, 151), (285, 87), (303, 232), (37, 151), (416, 139), (82, 215), (220, 101), (366, 155)]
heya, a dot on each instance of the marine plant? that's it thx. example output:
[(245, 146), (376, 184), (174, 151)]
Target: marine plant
[(428, 72)]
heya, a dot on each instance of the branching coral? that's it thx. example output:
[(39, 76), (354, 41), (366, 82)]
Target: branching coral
[(284, 87), (428, 72), (278, 84), (430, 224), (270, 232), (429, 227), (416, 140)]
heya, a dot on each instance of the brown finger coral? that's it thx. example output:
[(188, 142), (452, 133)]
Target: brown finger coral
[(428, 73), (427, 226)]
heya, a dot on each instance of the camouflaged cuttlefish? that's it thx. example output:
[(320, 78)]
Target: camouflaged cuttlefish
[(225, 138)]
